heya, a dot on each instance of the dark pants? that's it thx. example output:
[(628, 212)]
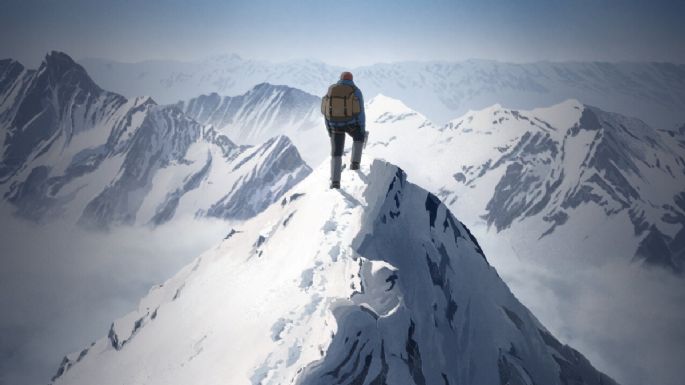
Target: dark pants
[(338, 139)]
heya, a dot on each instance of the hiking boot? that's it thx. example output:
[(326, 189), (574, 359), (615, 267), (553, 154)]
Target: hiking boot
[(336, 170), (356, 155)]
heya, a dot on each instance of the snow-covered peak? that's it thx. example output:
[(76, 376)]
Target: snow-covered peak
[(506, 166), (143, 100), (266, 86), (388, 104), (264, 111), (382, 109), (375, 283), (90, 156), (62, 70), (562, 115)]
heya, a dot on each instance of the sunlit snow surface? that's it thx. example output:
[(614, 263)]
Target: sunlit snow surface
[(375, 283), (548, 178)]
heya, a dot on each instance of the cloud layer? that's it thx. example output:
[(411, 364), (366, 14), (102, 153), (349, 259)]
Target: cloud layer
[(627, 319), (60, 288)]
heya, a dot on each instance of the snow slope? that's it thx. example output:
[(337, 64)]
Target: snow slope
[(74, 151), (654, 92), (377, 283), (571, 178), (263, 112)]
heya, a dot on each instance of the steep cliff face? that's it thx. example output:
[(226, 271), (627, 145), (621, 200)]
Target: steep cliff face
[(73, 150), (377, 283)]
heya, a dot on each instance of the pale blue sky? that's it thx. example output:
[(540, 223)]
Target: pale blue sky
[(348, 33)]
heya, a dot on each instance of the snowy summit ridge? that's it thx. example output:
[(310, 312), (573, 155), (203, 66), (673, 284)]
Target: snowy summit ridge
[(377, 283)]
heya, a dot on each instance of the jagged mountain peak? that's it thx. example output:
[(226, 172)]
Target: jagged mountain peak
[(280, 141), (262, 112), (383, 109), (10, 64), (375, 283), (145, 100), (267, 85), (59, 58), (63, 70), (259, 91), (48, 108), (94, 158), (563, 114), (550, 167), (388, 103), (266, 88)]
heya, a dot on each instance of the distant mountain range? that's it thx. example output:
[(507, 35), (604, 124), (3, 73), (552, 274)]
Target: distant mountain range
[(548, 178), (653, 92), (265, 111), (73, 150)]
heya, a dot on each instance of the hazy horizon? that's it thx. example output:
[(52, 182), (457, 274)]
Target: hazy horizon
[(381, 31), (77, 59)]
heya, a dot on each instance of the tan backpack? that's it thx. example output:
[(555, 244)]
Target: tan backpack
[(340, 103)]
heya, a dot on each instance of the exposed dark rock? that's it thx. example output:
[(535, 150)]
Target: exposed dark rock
[(432, 203), (413, 359), (574, 368), (514, 318), (654, 249)]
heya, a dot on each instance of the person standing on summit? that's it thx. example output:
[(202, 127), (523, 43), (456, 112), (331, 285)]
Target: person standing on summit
[(343, 109)]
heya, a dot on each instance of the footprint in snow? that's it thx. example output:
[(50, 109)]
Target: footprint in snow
[(330, 225)]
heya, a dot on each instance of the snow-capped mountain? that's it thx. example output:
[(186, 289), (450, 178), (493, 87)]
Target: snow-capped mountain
[(653, 92), (385, 287), (73, 150), (170, 81), (614, 184), (263, 112)]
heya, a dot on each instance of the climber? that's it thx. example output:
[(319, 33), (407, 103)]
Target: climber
[(343, 109)]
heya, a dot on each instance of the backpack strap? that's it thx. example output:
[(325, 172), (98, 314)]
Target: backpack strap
[(345, 106), (350, 96), (330, 105)]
